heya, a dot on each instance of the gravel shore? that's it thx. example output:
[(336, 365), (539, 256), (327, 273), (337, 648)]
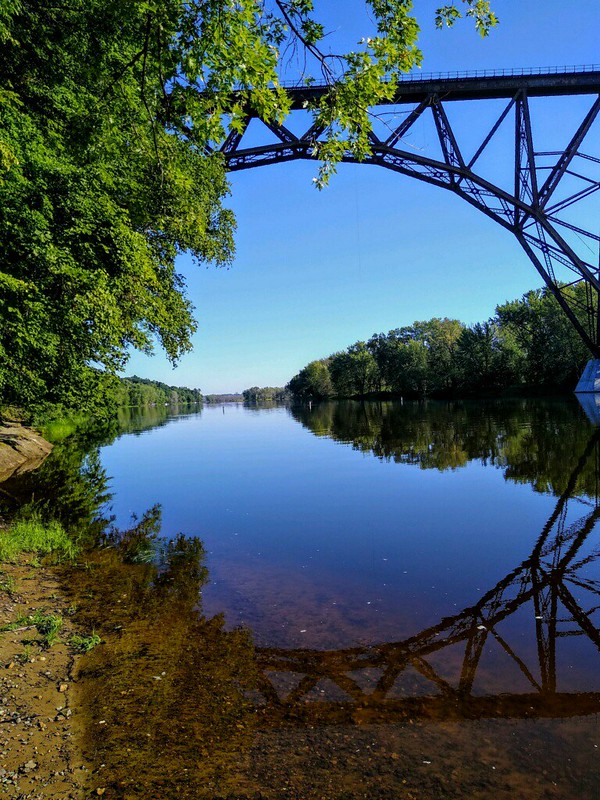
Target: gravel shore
[(38, 754)]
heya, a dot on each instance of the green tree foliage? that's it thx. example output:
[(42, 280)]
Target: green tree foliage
[(487, 357), (222, 398), (96, 202), (139, 392), (314, 381), (551, 350), (264, 394), (354, 372), (109, 113), (412, 368), (419, 358), (529, 343)]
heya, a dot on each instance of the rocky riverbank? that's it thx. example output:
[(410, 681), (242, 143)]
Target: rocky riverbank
[(21, 449)]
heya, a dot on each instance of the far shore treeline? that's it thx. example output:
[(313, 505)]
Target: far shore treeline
[(138, 392), (529, 344), (265, 394)]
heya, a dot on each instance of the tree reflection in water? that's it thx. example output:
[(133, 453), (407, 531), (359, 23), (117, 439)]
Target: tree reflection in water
[(162, 700), (532, 441)]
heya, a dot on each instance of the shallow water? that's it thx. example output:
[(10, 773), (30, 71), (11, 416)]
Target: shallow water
[(382, 600)]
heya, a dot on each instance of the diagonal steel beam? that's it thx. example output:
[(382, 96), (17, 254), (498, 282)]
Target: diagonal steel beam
[(579, 615), (313, 133), (407, 124), (282, 133), (590, 344), (563, 162), (568, 201), (492, 133), (518, 661), (575, 228), (230, 145), (450, 149)]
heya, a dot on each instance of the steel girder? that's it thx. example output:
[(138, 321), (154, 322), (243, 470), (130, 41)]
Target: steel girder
[(526, 211)]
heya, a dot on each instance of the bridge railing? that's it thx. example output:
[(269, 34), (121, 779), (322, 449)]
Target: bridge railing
[(501, 73), (478, 73)]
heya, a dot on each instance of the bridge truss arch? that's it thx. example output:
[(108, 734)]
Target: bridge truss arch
[(532, 206)]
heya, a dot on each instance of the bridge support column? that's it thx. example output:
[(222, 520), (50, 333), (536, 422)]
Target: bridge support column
[(590, 379), (588, 391)]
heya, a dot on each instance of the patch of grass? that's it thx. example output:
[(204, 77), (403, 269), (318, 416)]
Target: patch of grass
[(47, 625), (7, 583), (58, 429), (83, 644), (48, 628), (34, 536), (25, 656)]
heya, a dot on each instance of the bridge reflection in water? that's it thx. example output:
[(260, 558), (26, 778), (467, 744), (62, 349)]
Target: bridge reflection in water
[(554, 587)]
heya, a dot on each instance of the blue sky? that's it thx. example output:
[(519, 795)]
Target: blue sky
[(315, 271)]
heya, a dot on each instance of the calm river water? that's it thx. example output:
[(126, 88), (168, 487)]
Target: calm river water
[(369, 600)]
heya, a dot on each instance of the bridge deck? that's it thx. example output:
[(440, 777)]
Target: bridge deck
[(475, 87)]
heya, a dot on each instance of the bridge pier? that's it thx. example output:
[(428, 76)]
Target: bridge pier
[(590, 379), (588, 391)]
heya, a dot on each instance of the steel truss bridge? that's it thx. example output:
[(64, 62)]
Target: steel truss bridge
[(540, 185), (553, 587)]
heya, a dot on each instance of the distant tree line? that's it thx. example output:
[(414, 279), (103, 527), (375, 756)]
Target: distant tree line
[(138, 392), (263, 394), (527, 343), (223, 398)]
